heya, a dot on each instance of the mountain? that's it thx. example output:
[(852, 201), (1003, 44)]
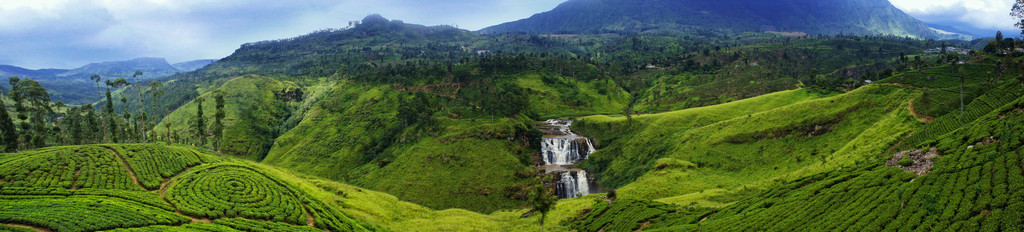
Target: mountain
[(151, 68), (8, 70), (74, 86), (862, 17), (189, 66)]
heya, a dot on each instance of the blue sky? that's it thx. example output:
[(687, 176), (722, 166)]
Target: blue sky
[(71, 33)]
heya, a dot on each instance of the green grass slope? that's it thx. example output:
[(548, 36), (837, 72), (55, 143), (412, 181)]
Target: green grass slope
[(971, 187), (103, 187), (724, 150), (255, 108)]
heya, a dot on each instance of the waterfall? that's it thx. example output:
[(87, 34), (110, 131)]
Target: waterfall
[(562, 147), (570, 186), (565, 150)]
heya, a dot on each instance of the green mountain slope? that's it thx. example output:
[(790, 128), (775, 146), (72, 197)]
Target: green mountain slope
[(256, 108), (151, 187), (863, 17), (968, 185)]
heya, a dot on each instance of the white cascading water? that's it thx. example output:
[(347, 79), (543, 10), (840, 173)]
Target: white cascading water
[(562, 147), (570, 186), (567, 148)]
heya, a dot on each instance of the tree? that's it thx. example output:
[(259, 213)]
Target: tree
[(8, 133), (142, 106), (1018, 12), (99, 92), (34, 93), (155, 92), (200, 123), (218, 127), (110, 111), (628, 111), (542, 201)]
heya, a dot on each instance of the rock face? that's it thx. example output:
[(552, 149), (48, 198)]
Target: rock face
[(922, 160)]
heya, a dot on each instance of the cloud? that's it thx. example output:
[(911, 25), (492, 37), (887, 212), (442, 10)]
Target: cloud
[(71, 33), (986, 15)]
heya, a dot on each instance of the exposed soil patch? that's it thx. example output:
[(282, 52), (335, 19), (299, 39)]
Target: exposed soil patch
[(919, 116), (443, 89), (891, 149), (135, 179), (36, 228), (74, 184), (168, 181), (922, 160), (986, 141), (815, 129), (310, 221)]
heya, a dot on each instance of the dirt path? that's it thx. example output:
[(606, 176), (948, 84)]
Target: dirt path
[(918, 115), (169, 181), (310, 221), (893, 148), (135, 179), (74, 184), (36, 228)]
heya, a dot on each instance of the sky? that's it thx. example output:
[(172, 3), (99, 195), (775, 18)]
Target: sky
[(979, 17), (70, 33)]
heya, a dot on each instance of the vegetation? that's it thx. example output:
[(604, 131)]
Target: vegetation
[(391, 126), (100, 187)]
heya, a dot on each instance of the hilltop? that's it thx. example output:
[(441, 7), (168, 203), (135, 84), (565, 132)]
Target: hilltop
[(857, 17), (73, 86)]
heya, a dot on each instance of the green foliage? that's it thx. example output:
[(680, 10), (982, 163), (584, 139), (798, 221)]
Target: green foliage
[(970, 187), (699, 17), (992, 99), (542, 200), (82, 213), (254, 111), (152, 164), (906, 162), (15, 229), (66, 167), (234, 191), (631, 215), (243, 224), (90, 188)]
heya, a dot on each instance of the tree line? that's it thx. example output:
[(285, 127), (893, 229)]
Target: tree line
[(36, 122)]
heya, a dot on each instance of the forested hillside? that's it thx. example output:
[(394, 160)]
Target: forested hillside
[(388, 126), (809, 17)]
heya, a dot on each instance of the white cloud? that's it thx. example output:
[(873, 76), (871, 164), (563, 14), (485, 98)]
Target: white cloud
[(982, 14), (70, 33)]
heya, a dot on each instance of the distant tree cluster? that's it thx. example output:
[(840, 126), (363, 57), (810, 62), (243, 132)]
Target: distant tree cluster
[(37, 122)]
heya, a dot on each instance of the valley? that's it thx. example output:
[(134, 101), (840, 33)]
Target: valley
[(557, 122)]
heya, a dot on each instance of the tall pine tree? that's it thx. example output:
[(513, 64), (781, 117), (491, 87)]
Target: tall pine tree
[(200, 123), (218, 126), (8, 133)]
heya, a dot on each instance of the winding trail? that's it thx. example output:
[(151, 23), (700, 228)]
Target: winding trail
[(892, 149), (36, 228), (135, 179)]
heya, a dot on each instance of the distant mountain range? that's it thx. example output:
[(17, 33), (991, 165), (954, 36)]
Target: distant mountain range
[(73, 86), (862, 17)]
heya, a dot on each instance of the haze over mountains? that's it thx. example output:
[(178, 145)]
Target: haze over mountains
[(862, 17), (73, 86)]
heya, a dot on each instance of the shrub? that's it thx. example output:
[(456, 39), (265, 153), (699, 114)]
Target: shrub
[(906, 162)]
